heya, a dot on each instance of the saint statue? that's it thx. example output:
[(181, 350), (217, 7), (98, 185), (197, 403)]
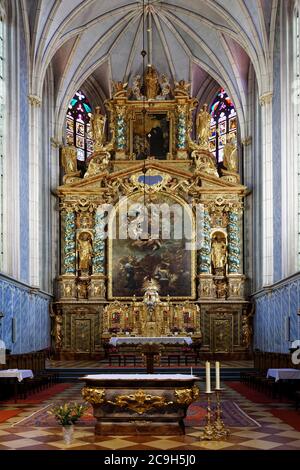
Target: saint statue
[(246, 330), (69, 159), (203, 127), (230, 154), (85, 251), (219, 254), (151, 82), (98, 128)]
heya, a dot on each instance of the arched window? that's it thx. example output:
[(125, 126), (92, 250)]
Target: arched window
[(223, 122), (78, 130)]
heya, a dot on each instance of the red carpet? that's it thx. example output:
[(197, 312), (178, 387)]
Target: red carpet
[(6, 414), (36, 398), (251, 394), (291, 417)]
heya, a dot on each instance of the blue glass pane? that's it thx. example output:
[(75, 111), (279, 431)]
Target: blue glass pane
[(150, 180)]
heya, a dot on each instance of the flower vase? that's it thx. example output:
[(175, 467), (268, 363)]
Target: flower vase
[(68, 433)]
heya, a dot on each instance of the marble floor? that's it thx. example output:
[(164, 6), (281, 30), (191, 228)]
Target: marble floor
[(271, 434)]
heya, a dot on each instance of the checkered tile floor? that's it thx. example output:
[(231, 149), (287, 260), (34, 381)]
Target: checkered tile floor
[(273, 434)]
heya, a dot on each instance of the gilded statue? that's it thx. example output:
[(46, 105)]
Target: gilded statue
[(57, 327), (182, 88), (205, 162), (69, 159), (219, 253), (98, 164), (230, 154), (85, 251), (247, 330), (151, 82), (203, 127), (98, 128), (119, 89)]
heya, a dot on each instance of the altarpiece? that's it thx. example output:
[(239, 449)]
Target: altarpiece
[(157, 154)]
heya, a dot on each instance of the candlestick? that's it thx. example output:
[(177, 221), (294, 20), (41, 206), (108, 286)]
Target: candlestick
[(220, 430), (208, 432), (218, 375), (208, 382)]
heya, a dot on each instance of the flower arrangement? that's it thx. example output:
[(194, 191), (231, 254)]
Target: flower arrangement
[(68, 413)]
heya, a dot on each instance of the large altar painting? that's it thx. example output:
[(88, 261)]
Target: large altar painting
[(167, 259)]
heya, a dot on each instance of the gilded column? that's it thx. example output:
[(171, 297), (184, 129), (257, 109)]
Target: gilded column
[(234, 241), (236, 279), (181, 132), (121, 132), (206, 288), (97, 288), (67, 280)]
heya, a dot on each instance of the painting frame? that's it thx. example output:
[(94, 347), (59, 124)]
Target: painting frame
[(112, 295)]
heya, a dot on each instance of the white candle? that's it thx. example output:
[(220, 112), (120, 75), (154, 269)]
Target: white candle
[(218, 375), (191, 371), (208, 385)]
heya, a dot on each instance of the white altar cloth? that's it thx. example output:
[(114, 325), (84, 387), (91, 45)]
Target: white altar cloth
[(117, 340), (20, 374), (144, 377), (284, 374)]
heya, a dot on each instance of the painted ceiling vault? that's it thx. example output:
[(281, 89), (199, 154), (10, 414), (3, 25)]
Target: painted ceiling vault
[(207, 42)]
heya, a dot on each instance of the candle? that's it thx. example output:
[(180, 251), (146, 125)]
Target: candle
[(191, 371), (207, 368), (218, 375)]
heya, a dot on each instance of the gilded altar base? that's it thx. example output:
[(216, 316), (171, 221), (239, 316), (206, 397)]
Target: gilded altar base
[(202, 291)]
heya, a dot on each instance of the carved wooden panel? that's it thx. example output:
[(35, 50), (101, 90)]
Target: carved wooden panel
[(83, 338), (222, 334)]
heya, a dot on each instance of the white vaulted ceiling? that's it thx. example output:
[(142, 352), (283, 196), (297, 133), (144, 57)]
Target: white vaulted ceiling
[(202, 41)]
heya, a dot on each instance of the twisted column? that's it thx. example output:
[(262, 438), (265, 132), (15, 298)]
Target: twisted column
[(99, 244), (121, 129), (69, 261), (204, 254), (181, 131), (234, 241)]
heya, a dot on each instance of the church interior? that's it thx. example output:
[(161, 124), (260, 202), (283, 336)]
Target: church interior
[(149, 225)]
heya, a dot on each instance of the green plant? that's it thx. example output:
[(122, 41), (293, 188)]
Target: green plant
[(68, 413)]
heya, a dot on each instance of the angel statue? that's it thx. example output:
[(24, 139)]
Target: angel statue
[(230, 154), (119, 89), (165, 86), (98, 127), (182, 88), (136, 87), (203, 127), (69, 159)]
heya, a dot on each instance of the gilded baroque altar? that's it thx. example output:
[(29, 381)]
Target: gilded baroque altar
[(157, 153)]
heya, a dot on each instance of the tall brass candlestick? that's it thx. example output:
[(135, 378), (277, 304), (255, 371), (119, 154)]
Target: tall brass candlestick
[(220, 430), (208, 432)]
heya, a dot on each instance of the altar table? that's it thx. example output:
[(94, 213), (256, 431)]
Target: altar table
[(150, 346), (284, 374), (127, 404)]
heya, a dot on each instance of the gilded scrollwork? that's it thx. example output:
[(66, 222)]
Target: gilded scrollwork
[(140, 402), (95, 396), (186, 396)]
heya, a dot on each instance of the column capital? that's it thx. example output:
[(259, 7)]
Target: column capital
[(266, 98), (55, 142), (247, 141), (35, 100)]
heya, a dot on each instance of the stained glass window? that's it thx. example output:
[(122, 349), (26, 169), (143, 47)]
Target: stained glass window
[(223, 122), (78, 130)]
